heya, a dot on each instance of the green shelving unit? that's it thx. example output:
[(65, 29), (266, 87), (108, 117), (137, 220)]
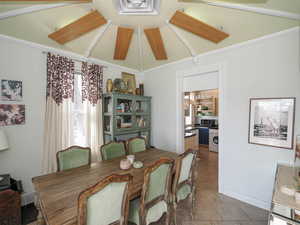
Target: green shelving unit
[(126, 116)]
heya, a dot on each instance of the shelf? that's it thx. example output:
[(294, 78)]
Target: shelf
[(124, 113)]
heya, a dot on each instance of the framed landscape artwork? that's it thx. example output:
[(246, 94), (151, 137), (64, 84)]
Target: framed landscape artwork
[(271, 122), (11, 90), (12, 114)]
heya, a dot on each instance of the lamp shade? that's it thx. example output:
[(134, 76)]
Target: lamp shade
[(3, 141)]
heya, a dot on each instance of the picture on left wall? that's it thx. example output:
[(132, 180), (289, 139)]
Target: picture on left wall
[(12, 114), (11, 90)]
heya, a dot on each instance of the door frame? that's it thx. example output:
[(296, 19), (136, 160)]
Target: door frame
[(198, 71)]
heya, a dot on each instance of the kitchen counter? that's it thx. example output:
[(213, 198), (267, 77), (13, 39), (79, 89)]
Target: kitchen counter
[(187, 135)]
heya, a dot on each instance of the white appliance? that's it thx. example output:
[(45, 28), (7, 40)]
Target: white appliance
[(213, 140)]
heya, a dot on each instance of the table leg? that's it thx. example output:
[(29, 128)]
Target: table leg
[(40, 218)]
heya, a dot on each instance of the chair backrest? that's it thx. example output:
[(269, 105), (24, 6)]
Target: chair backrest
[(107, 202), (112, 150), (137, 144), (185, 168), (72, 157), (157, 183)]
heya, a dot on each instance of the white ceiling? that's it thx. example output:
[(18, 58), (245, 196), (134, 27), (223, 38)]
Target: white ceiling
[(240, 25)]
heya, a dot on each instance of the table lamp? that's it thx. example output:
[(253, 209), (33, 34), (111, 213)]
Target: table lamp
[(3, 144), (3, 141)]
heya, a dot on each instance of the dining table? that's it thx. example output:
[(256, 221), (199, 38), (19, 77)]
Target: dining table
[(57, 193)]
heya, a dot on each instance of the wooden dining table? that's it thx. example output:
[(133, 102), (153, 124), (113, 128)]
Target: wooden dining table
[(57, 193)]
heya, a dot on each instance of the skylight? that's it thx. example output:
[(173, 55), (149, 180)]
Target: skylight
[(137, 7)]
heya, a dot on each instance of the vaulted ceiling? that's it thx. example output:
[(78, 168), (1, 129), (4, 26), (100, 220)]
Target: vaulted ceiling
[(238, 24)]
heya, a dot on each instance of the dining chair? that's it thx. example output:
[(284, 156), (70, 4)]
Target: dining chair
[(183, 183), (137, 144), (105, 203), (112, 150), (73, 157), (156, 193)]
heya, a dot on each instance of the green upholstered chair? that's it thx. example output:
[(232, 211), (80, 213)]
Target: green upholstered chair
[(183, 184), (105, 203), (137, 144), (72, 157), (156, 193), (112, 150)]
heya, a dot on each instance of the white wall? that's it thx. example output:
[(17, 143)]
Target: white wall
[(266, 67), (197, 82), (20, 61)]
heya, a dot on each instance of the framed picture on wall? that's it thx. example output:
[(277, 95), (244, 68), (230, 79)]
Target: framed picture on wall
[(271, 122), (11, 90), (12, 114)]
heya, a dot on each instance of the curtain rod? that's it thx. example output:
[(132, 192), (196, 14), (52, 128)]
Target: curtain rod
[(73, 58)]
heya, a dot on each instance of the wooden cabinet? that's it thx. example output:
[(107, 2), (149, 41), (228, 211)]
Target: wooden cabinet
[(10, 207), (191, 142), (126, 116)]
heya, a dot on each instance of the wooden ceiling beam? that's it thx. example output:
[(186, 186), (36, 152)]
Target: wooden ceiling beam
[(79, 27), (197, 27), (123, 41), (156, 43)]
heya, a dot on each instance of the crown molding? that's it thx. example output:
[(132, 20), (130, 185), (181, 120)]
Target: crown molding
[(243, 7), (44, 48), (231, 47)]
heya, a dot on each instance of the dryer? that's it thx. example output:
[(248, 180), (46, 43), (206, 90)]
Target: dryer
[(213, 140)]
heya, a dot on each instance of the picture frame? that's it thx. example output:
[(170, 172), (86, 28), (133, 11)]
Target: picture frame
[(11, 90), (12, 114), (271, 122), (130, 82)]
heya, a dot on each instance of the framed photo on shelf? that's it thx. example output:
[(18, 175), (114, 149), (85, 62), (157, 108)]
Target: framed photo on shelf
[(271, 122), (130, 82)]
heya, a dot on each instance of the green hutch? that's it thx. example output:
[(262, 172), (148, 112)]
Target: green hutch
[(126, 116)]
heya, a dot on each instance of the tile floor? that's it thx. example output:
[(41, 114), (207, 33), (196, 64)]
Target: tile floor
[(212, 208)]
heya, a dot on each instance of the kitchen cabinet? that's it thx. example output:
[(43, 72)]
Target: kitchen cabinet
[(203, 136)]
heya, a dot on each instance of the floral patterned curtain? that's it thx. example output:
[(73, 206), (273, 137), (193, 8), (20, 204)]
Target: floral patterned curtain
[(60, 96), (60, 78), (92, 82)]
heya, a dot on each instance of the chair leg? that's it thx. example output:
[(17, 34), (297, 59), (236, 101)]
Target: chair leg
[(174, 213), (191, 199)]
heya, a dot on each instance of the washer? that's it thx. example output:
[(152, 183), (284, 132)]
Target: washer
[(214, 140)]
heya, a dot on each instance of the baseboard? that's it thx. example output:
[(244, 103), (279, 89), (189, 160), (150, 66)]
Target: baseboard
[(252, 201), (27, 198)]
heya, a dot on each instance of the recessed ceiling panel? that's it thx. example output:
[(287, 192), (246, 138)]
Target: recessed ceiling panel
[(156, 42), (123, 41), (81, 26), (197, 27)]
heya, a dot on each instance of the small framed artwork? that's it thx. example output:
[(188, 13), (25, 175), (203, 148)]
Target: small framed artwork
[(271, 122), (12, 114), (11, 90), (129, 80)]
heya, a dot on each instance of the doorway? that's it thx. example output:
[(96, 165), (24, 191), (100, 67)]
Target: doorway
[(201, 84)]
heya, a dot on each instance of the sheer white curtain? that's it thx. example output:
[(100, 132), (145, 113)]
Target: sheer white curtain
[(87, 121)]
